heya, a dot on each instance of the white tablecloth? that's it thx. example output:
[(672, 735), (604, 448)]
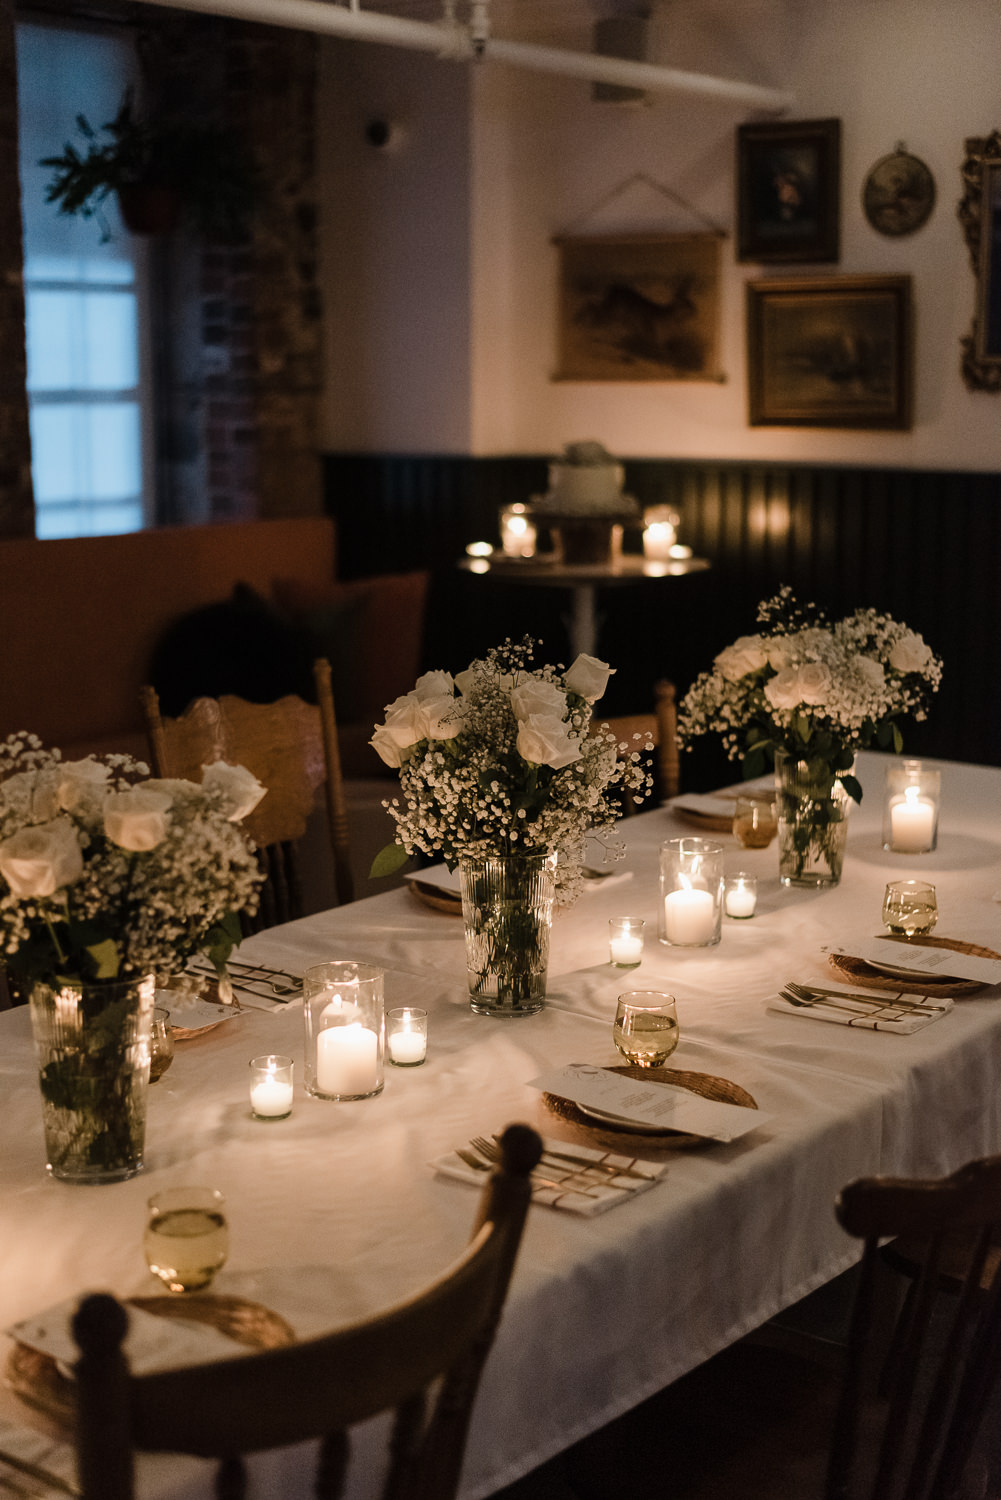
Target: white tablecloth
[(335, 1211)]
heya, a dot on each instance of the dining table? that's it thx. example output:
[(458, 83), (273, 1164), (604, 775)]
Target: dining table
[(339, 1208)]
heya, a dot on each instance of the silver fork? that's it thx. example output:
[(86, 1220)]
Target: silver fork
[(492, 1151), (810, 992), (488, 1166), (582, 1161), (849, 1005)]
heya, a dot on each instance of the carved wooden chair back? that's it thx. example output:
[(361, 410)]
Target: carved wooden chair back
[(438, 1338), (291, 747), (906, 1428), (661, 730)]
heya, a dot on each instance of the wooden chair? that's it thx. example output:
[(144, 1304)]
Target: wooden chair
[(291, 747), (933, 1395), (763, 1420), (660, 728), (318, 1389)]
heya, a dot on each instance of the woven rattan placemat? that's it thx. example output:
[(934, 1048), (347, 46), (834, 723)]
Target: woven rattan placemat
[(857, 971), (620, 1138), (39, 1381)]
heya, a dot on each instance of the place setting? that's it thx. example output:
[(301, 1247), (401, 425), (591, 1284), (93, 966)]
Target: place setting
[(636, 1107)]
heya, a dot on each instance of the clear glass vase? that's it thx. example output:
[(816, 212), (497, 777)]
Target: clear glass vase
[(813, 822), (507, 907), (93, 1044)]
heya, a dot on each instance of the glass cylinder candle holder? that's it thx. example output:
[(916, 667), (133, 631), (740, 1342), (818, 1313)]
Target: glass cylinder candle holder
[(625, 941), (345, 1020), (660, 532), (910, 808), (691, 893), (518, 531), (271, 1086), (407, 1036), (740, 895)]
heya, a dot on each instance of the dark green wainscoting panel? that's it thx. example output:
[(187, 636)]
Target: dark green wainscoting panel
[(924, 546)]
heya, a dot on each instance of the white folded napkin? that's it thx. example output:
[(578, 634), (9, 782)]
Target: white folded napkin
[(881, 1015), (705, 806), (586, 1192), (38, 1457)]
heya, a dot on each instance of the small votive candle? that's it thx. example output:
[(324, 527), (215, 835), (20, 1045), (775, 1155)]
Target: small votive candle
[(625, 941), (660, 532), (910, 815), (407, 1036), (741, 896), (271, 1086), (518, 531)]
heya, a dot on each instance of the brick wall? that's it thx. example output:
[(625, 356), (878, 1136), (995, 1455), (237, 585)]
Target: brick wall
[(241, 367), (237, 327), (17, 514)]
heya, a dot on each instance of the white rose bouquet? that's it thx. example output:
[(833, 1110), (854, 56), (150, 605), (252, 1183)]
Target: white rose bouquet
[(812, 691), (107, 874), (499, 760)]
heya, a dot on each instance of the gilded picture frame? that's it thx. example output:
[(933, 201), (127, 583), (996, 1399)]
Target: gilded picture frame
[(639, 307), (980, 215), (789, 191), (831, 351)]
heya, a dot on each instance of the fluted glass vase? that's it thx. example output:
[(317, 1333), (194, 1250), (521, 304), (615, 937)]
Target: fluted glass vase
[(93, 1045), (813, 822), (507, 907)]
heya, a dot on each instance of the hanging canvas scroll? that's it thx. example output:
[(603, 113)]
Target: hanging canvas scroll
[(639, 307)]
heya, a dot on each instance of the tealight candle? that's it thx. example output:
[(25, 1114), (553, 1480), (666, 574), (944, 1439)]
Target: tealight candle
[(271, 1086), (741, 896), (625, 941), (407, 1036)]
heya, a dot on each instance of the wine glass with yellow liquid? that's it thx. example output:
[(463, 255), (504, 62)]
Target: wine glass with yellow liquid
[(187, 1238), (646, 1027)]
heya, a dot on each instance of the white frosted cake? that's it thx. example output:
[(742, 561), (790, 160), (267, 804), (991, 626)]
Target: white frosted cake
[(587, 482)]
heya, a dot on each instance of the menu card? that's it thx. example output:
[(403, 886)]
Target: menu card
[(649, 1103), (941, 962)]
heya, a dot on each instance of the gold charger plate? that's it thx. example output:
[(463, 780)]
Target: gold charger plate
[(858, 971), (435, 897), (616, 1137), (39, 1381), (708, 822)]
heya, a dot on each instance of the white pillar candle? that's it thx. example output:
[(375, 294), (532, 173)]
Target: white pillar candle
[(347, 1059), (912, 822), (407, 1047), (270, 1096), (689, 917), (518, 533), (741, 897), (658, 539)]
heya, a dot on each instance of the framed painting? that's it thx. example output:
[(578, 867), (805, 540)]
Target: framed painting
[(980, 216), (789, 191), (832, 351), (639, 307)]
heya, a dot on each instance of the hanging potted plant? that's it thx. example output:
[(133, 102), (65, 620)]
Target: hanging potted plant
[(161, 170)]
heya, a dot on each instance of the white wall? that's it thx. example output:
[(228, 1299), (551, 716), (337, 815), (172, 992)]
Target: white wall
[(539, 158)]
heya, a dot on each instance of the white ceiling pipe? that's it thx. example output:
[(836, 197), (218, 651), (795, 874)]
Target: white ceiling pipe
[(452, 40)]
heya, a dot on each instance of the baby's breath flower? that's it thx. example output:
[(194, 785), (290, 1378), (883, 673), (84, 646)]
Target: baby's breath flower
[(476, 794)]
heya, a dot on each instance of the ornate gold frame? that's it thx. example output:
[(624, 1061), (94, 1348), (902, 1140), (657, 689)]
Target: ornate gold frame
[(979, 213)]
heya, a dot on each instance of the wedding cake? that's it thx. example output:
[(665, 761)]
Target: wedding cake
[(585, 507), (587, 482)]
